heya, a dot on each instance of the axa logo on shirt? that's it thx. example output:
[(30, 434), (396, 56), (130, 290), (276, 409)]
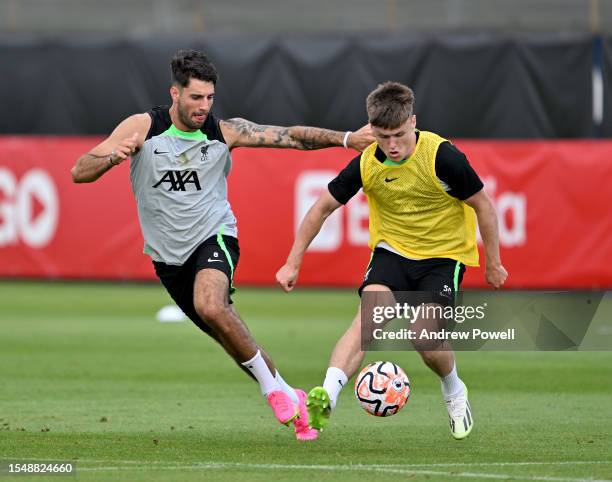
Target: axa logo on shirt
[(511, 210), (29, 208), (178, 180)]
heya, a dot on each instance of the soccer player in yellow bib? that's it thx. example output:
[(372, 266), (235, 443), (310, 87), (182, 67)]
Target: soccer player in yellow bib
[(424, 200)]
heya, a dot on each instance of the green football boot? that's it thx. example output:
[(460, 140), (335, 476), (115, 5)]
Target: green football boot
[(319, 408)]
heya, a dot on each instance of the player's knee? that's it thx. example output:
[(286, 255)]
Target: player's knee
[(428, 356), (363, 337), (211, 312)]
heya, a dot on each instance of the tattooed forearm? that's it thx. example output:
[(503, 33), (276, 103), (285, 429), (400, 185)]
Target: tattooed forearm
[(249, 134), (315, 138)]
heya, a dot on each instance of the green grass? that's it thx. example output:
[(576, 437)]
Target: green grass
[(87, 374)]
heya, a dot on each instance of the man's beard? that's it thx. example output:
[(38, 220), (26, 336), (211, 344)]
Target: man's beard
[(186, 120)]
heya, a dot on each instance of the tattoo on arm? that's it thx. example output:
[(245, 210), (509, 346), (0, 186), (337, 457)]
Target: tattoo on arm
[(250, 134)]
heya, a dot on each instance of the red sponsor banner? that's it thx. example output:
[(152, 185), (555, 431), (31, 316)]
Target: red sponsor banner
[(552, 199), (84, 230)]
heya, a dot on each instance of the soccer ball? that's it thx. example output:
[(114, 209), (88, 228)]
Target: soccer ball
[(382, 388)]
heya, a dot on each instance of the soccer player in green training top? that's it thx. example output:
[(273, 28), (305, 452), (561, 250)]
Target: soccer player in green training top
[(424, 199), (180, 159)]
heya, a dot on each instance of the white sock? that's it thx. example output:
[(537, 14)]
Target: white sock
[(257, 366), (285, 387), (335, 379), (451, 384)]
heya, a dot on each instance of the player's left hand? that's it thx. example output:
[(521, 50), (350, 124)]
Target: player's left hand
[(361, 138), (496, 275), (287, 277)]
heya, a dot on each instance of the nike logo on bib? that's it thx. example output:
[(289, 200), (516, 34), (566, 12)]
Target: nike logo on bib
[(392, 179), (160, 152)]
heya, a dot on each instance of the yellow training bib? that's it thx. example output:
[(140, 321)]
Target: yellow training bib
[(411, 211)]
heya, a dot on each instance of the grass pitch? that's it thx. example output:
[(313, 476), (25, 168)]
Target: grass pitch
[(88, 375)]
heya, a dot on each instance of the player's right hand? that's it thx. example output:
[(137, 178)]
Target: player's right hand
[(124, 149), (287, 277), (496, 276)]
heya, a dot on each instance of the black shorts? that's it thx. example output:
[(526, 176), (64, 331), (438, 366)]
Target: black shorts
[(439, 276), (220, 254)]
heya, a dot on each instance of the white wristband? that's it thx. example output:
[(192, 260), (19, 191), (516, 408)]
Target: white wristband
[(346, 136)]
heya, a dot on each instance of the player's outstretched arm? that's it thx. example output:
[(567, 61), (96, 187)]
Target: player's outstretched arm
[(309, 228), (124, 141), (243, 133), (495, 273)]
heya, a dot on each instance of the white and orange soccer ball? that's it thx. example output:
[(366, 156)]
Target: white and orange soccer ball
[(382, 388)]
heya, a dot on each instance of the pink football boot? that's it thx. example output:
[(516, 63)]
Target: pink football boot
[(283, 407), (302, 430)]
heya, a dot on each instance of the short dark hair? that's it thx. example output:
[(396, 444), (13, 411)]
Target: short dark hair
[(390, 105), (188, 64)]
